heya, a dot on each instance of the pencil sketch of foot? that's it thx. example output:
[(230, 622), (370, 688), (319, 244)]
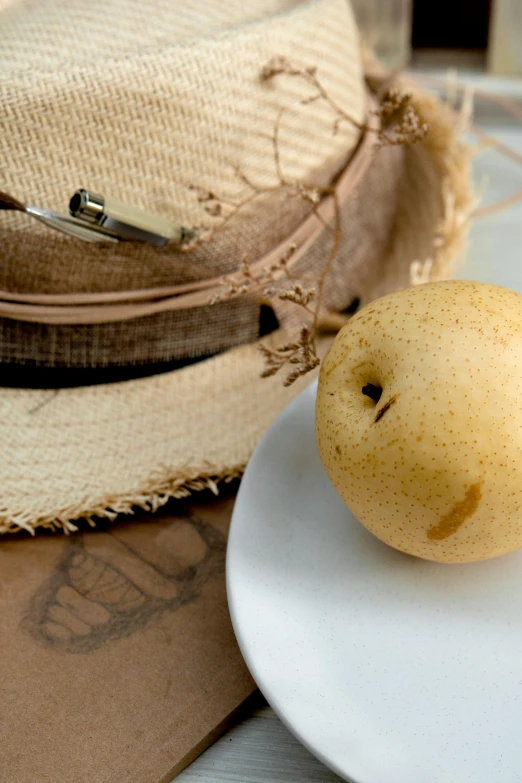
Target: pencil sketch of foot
[(107, 586)]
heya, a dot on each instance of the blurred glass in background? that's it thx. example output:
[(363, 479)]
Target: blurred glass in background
[(477, 34), (385, 27)]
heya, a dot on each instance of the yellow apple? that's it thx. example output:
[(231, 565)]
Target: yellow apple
[(419, 419)]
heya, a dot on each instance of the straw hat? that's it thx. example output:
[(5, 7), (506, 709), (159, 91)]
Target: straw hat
[(248, 134)]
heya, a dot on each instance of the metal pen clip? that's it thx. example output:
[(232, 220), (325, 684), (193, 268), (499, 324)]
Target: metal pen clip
[(112, 217), (95, 218)]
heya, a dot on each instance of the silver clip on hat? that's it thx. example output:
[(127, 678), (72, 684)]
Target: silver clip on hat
[(96, 218)]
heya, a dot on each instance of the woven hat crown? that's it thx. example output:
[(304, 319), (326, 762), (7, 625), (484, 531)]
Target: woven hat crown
[(143, 107)]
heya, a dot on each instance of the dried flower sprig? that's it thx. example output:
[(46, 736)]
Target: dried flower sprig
[(300, 354), (399, 124), (245, 281), (298, 294), (303, 353)]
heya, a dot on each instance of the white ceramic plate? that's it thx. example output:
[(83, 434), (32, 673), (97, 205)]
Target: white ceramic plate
[(390, 669)]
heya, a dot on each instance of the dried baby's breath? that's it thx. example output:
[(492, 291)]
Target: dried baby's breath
[(300, 354), (400, 121), (298, 294)]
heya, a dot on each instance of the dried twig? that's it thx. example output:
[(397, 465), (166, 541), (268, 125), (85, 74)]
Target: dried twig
[(331, 257), (279, 65)]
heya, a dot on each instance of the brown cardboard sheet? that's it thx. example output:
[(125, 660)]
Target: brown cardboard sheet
[(118, 659)]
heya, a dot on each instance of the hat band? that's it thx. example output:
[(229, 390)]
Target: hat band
[(113, 306)]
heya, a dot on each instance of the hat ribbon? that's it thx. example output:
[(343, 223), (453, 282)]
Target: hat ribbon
[(113, 306)]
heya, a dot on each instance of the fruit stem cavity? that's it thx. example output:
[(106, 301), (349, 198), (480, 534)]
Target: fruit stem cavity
[(372, 391)]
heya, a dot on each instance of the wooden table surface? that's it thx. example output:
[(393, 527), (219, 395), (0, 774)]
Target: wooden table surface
[(260, 749)]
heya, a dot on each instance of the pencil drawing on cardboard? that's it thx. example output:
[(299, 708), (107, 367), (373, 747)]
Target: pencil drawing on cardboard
[(109, 585)]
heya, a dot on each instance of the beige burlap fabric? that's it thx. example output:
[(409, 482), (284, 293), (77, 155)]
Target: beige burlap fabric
[(142, 103)]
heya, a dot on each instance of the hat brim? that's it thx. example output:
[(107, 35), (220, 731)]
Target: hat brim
[(104, 450), (99, 451)]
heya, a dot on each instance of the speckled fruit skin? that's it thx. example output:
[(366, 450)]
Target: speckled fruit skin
[(434, 468)]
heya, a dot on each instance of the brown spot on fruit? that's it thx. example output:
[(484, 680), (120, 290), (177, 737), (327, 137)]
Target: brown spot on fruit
[(338, 449), (385, 407), (450, 522)]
